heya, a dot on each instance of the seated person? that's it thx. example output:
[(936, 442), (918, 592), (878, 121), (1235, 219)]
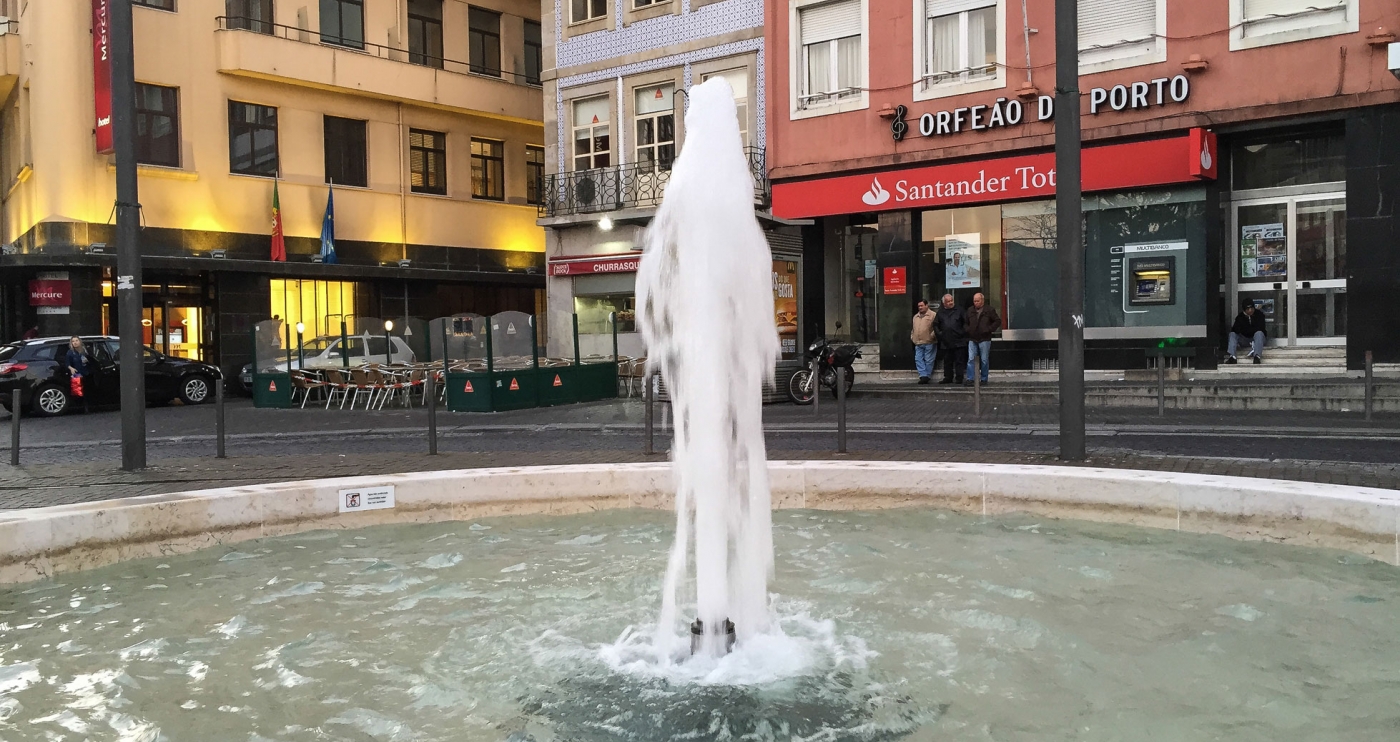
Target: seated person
[(1248, 328)]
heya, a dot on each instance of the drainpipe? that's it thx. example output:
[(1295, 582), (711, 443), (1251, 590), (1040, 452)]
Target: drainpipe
[(1026, 34)]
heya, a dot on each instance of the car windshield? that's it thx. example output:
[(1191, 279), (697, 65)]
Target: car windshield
[(317, 345), (8, 351)]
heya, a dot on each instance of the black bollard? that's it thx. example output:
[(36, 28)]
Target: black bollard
[(14, 428), (841, 409), (219, 419), (1370, 387), (977, 384), (649, 413), (1161, 383), (430, 395)]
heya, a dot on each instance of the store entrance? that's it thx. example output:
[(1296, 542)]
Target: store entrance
[(173, 318), (1290, 259)]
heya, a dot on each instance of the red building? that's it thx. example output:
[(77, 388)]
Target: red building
[(1224, 142)]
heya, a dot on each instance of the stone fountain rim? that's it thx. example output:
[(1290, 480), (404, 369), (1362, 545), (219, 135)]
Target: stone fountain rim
[(38, 543)]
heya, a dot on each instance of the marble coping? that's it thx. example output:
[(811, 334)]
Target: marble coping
[(41, 542)]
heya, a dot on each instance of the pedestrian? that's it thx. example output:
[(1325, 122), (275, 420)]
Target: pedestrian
[(78, 370), (923, 337), (982, 323), (31, 334), (950, 326), (1248, 328)]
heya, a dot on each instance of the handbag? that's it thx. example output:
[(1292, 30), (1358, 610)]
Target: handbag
[(75, 384)]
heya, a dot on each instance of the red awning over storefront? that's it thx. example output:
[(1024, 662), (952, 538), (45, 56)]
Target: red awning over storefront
[(1181, 159)]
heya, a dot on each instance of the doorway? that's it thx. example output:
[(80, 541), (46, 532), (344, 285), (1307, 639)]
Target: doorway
[(173, 319), (1290, 259)]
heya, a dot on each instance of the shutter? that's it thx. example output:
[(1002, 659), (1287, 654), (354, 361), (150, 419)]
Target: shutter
[(1105, 22), (832, 21), (935, 8), (1257, 9)]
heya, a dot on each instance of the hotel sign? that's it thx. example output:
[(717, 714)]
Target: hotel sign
[(102, 73)]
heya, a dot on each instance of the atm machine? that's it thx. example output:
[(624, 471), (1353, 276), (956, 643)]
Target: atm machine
[(1154, 284)]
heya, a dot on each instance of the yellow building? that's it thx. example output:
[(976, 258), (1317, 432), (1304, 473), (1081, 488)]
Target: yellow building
[(426, 115)]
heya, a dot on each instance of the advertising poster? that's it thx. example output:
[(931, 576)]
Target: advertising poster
[(896, 281), (963, 261), (785, 305), (1263, 251)]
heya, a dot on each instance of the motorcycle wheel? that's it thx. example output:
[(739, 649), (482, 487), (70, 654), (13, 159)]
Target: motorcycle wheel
[(800, 388), (850, 382)]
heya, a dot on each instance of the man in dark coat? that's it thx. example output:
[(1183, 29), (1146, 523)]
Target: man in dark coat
[(950, 324), (1248, 328), (982, 323)]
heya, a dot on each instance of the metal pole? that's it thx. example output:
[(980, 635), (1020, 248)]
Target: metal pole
[(301, 353), (128, 210), (649, 413), (388, 348), (1069, 230), (344, 346), (577, 358), (219, 419), (430, 389), (816, 386), (1370, 389), (976, 378), (1161, 383), (841, 409), (612, 318), (14, 427)]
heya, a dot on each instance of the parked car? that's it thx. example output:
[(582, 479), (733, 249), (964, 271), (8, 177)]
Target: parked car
[(325, 352), (38, 369)]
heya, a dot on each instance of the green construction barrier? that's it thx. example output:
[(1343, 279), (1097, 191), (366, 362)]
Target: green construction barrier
[(596, 381), (558, 385), (514, 390), (272, 390), (469, 391)]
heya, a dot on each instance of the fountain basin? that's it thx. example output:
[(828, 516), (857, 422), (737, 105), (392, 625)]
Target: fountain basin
[(42, 542)]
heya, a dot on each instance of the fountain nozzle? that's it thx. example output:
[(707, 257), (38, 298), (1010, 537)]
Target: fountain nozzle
[(697, 636)]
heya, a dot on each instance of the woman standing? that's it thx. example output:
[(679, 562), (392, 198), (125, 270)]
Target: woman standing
[(78, 369)]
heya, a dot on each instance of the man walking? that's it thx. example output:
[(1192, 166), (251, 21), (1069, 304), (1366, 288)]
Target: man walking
[(1248, 328), (982, 322), (922, 335), (950, 327)]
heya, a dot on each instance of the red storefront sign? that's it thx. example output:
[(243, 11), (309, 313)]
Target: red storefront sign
[(621, 263), (49, 293), (1180, 159), (102, 73), (895, 281)]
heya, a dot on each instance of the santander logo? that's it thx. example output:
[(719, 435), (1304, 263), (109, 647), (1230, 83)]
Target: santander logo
[(1205, 154), (876, 195)]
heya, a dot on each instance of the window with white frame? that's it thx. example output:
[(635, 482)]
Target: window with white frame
[(587, 10), (738, 80), (960, 42), (1111, 30), (592, 143), (1256, 22), (831, 62), (655, 117)]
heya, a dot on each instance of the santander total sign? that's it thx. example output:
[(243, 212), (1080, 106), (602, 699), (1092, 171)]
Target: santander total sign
[(1180, 159)]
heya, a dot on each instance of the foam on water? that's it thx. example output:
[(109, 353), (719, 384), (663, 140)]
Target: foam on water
[(705, 292)]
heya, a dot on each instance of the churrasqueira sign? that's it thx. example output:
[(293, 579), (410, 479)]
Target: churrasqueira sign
[(1011, 112)]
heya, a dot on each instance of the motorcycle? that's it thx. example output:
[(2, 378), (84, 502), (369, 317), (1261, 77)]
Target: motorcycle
[(823, 359)]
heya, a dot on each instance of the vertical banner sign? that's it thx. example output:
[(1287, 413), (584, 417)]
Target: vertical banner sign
[(102, 73), (785, 306)]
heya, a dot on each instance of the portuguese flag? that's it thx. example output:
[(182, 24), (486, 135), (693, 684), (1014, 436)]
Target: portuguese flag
[(279, 244)]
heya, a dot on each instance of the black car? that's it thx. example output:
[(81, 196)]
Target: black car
[(38, 369)]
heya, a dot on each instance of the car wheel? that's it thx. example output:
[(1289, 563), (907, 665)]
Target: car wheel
[(195, 390), (50, 401)]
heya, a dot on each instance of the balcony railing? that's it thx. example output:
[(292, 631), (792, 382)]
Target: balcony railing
[(639, 185), (307, 36)]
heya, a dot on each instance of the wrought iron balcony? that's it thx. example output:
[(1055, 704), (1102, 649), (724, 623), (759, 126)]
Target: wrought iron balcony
[(634, 186)]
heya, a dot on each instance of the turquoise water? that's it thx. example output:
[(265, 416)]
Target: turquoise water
[(907, 624)]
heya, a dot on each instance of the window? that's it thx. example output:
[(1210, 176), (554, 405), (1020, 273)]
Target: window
[(534, 174), (592, 144), (161, 4), (738, 82), (587, 10), (343, 23), (252, 139), (534, 53), (960, 42), (427, 161), (321, 305), (1290, 159), (1260, 22), (647, 3), (655, 118), (831, 64), (1117, 31), (250, 15), (157, 125), (488, 169), (346, 152), (425, 32), (485, 38)]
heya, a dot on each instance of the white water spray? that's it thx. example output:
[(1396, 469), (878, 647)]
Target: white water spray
[(704, 288)]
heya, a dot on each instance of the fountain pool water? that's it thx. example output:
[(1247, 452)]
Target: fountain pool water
[(899, 624)]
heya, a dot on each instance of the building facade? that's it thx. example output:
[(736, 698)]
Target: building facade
[(1233, 150), (615, 81), (423, 116)]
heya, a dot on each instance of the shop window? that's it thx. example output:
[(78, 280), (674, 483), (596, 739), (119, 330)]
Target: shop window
[(343, 23), (1120, 33), (157, 125), (425, 32), (593, 313), (587, 10), (592, 143), (534, 174), (534, 53), (320, 305), (738, 80), (427, 161), (961, 255), (485, 39), (1288, 160), (158, 4), (250, 15), (488, 169), (252, 139), (346, 152), (832, 64), (960, 42), (853, 302), (655, 118), (1262, 22)]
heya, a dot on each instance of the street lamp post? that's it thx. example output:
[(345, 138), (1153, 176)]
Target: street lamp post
[(388, 341), (128, 210), (1069, 230), (301, 353)]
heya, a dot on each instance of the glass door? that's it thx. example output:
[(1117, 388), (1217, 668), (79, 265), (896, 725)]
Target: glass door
[(1290, 260)]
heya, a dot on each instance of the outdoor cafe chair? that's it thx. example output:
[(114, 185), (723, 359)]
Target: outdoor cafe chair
[(304, 382), (336, 387), (362, 384)]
